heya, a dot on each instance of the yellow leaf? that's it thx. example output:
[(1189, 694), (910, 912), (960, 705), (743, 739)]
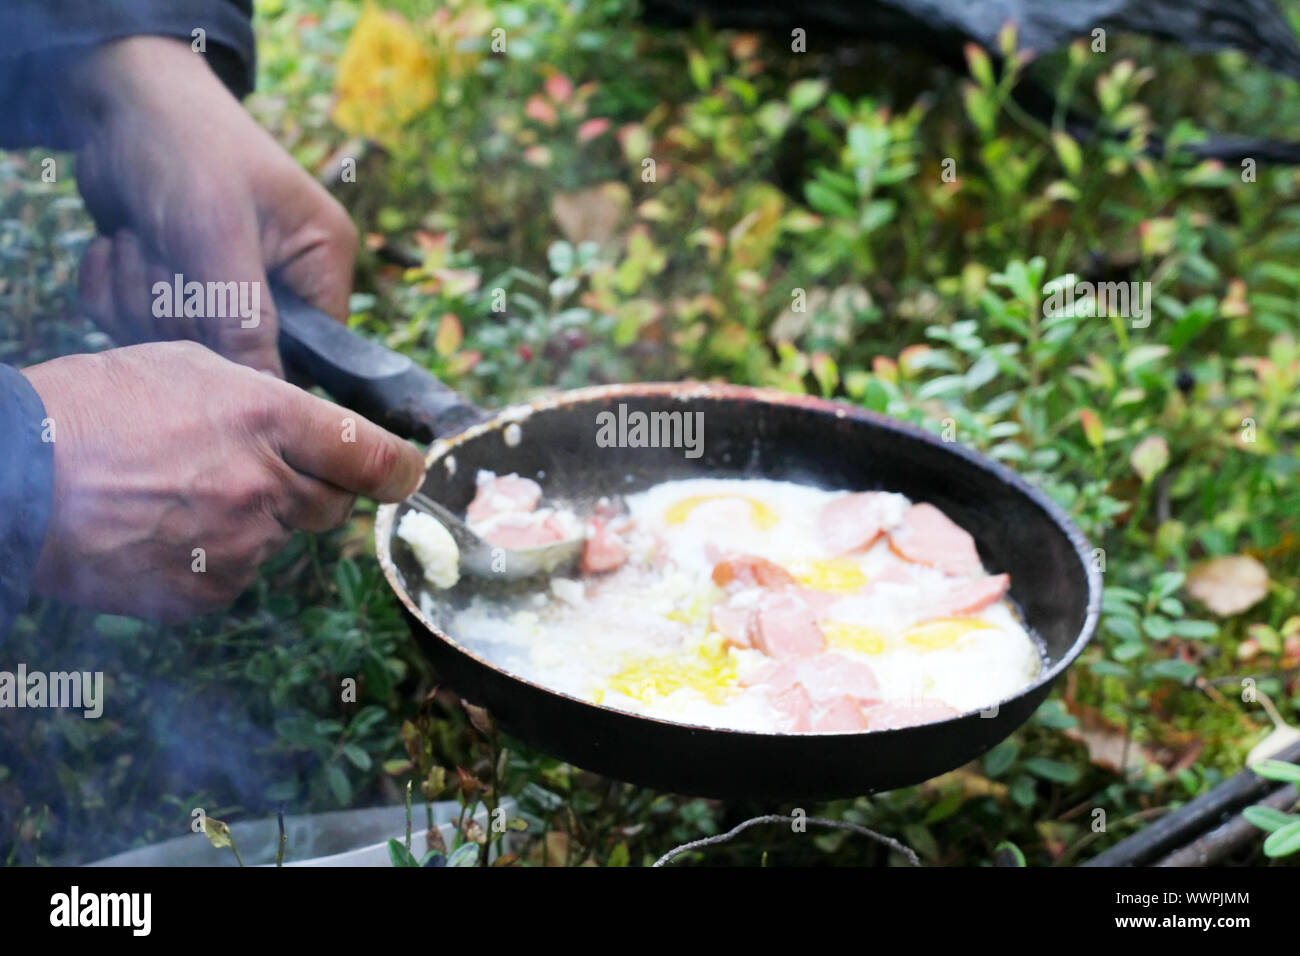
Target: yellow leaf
[(385, 77), (449, 335), (217, 831)]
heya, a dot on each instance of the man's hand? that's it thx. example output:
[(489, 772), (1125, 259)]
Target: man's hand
[(176, 473), (180, 179)]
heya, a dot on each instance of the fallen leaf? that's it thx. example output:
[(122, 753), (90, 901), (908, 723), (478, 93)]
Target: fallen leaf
[(591, 214), (1228, 585), (1106, 748)]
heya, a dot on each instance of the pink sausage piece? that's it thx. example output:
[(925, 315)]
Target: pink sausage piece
[(819, 602), (905, 713), (603, 549), (834, 675), (735, 624), (825, 677), (502, 495), (750, 571), (927, 536), (523, 530), (841, 714), (970, 597), (785, 627), (795, 705), (850, 522)]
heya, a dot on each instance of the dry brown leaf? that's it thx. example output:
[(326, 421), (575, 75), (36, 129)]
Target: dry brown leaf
[(1228, 585), (1105, 748), (591, 214)]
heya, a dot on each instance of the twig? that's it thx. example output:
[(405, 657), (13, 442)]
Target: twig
[(279, 849), (735, 831), (408, 816)]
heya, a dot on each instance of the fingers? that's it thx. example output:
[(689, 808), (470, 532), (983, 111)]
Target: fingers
[(340, 447), (222, 250), (129, 293), (319, 264), (314, 505), (95, 286)]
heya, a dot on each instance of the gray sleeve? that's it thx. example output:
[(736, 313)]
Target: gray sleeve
[(26, 490), (40, 39)]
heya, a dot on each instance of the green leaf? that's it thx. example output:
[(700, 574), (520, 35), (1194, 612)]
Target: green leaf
[(339, 784), (399, 855), (618, 856), (700, 72), (1053, 770), (347, 578), (981, 67), (1194, 630), (806, 94), (357, 754), (1157, 626), (1067, 150), (1277, 770), (1023, 791), (1181, 671), (1267, 818), (466, 855), (1283, 842), (999, 760), (1007, 849)]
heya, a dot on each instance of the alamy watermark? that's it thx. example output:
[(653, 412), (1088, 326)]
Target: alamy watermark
[(76, 690), (208, 300), (1125, 300), (638, 429)]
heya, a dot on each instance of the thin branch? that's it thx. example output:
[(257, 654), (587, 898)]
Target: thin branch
[(735, 831)]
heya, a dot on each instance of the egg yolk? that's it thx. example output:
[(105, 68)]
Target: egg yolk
[(942, 632), (760, 515), (709, 668), (854, 637), (838, 575)]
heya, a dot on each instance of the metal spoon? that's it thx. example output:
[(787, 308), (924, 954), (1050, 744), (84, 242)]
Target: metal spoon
[(481, 559)]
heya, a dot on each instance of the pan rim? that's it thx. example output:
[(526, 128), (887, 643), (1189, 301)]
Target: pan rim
[(385, 519)]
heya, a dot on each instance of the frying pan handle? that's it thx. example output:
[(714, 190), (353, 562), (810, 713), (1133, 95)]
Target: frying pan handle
[(386, 387)]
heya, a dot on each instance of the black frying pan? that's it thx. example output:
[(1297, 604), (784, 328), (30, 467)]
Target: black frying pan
[(749, 433)]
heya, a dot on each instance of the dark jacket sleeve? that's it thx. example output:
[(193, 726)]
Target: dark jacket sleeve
[(26, 483), (40, 39)]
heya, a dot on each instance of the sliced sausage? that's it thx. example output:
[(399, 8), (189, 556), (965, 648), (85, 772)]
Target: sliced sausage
[(852, 522), (795, 706), (927, 536), (734, 623), (825, 677), (969, 597), (749, 570), (503, 494), (603, 549), (907, 713), (785, 627), (522, 530), (840, 714)]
